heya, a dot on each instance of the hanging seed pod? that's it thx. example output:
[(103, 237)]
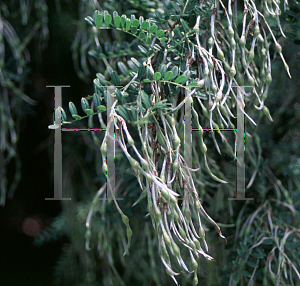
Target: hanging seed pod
[(267, 113)]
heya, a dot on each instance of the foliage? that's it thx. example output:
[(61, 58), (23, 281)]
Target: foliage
[(153, 54)]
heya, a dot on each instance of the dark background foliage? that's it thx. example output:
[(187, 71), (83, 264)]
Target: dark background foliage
[(56, 250)]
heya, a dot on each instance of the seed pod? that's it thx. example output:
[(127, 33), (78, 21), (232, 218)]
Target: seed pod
[(170, 120), (197, 206), (256, 31), (175, 165), (165, 193), (218, 96), (167, 239), (203, 147), (157, 214), (242, 42), (182, 232), (134, 163), (176, 250), (103, 149), (251, 55), (161, 139), (267, 113), (176, 217), (176, 141), (130, 140), (104, 168), (232, 71), (194, 264), (232, 43), (195, 280), (230, 32), (145, 164), (260, 39), (150, 151), (210, 42), (278, 48), (173, 201), (269, 79)]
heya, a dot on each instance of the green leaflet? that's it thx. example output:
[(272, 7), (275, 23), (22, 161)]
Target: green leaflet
[(136, 23), (141, 72), (153, 28), (185, 25), (119, 96), (123, 21), (96, 99), (160, 33), (115, 78), (180, 79), (72, 108), (117, 21), (157, 76), (148, 73), (162, 69), (128, 25), (99, 20), (122, 68), (145, 25), (122, 112), (101, 108), (142, 35), (168, 75), (175, 72), (84, 104), (146, 99), (108, 20)]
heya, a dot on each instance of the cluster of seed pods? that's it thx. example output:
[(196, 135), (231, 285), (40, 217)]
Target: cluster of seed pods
[(226, 60)]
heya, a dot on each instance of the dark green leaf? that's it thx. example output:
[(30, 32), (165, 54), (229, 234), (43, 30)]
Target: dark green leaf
[(256, 255), (115, 78), (146, 99), (142, 35), (244, 247), (252, 264), (141, 72), (291, 35), (122, 68), (246, 273), (84, 104), (185, 25), (107, 47), (268, 242), (134, 30), (175, 7), (241, 254), (96, 99)]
